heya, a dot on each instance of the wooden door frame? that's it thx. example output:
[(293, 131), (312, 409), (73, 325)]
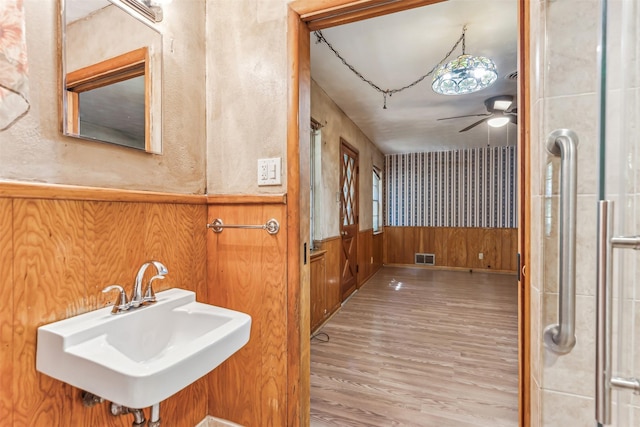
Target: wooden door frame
[(303, 17)]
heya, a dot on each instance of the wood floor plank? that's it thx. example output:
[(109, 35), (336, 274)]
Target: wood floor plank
[(417, 347)]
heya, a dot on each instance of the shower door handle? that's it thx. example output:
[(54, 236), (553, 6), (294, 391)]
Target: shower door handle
[(560, 338), (605, 381)]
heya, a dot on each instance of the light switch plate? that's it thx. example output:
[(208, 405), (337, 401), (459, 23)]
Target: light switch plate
[(270, 171)]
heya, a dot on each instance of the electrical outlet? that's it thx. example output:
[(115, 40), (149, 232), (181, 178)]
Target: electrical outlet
[(270, 171), (480, 255), (263, 171)]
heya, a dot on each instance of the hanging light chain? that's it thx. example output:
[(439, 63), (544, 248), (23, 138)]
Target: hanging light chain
[(464, 40), (388, 92)]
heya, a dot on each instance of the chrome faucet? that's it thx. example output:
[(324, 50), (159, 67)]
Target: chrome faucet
[(137, 297)]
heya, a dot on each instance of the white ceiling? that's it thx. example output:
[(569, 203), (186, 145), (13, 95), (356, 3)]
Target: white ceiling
[(395, 50)]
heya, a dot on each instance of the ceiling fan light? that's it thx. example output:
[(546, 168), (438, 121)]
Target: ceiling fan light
[(497, 122), (502, 105), (465, 74)]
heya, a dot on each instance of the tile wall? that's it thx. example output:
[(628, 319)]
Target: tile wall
[(564, 38)]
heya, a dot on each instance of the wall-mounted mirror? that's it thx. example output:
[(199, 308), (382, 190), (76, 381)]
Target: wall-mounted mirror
[(111, 75)]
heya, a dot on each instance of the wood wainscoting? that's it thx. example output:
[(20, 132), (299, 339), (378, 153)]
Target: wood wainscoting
[(454, 247), (330, 288), (60, 246), (247, 271), (318, 290), (369, 254), (370, 248)]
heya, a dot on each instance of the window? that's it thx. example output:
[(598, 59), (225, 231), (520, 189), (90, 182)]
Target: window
[(377, 201), (315, 223)]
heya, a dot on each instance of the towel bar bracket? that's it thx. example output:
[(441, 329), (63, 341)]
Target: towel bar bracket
[(272, 226)]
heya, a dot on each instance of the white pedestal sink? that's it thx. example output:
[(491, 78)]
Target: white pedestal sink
[(141, 357)]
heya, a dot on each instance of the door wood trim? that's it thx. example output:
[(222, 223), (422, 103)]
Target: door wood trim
[(319, 14), (302, 13), (298, 309), (524, 209)]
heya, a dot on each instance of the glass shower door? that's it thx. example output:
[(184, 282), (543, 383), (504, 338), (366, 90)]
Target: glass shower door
[(618, 293)]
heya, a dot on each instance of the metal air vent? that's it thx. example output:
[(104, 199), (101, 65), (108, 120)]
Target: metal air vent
[(512, 76), (425, 259)]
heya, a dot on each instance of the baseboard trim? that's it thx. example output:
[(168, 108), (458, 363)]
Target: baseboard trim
[(443, 267)]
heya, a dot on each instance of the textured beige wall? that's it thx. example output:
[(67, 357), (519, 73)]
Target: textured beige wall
[(34, 149), (104, 34), (110, 32), (336, 125), (247, 92)]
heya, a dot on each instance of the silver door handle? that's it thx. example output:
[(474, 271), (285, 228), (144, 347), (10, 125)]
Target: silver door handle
[(603, 314), (560, 338), (605, 381)]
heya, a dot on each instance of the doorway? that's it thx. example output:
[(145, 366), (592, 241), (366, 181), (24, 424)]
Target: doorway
[(306, 16)]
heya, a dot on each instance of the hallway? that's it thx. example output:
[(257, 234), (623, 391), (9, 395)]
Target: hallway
[(417, 347)]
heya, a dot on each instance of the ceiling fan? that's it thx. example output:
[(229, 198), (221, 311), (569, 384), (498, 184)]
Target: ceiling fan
[(498, 113)]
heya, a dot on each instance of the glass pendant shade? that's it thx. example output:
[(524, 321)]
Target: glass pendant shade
[(465, 74)]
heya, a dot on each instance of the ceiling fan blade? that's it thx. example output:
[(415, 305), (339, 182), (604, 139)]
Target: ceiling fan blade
[(468, 115), (474, 124)]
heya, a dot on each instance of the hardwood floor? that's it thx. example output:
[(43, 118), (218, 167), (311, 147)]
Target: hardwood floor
[(417, 347)]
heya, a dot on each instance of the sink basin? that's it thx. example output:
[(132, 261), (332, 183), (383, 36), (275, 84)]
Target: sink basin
[(141, 357)]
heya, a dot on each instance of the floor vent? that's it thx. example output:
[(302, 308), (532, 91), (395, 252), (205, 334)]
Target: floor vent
[(426, 259)]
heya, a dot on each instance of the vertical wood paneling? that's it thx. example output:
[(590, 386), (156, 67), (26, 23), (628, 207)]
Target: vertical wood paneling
[(332, 246), (378, 242), (183, 226), (391, 247), (49, 285), (457, 247), (318, 286), (114, 247), (176, 235), (56, 257), (114, 250), (453, 247), (371, 246), (6, 312), (364, 256), (368, 247), (441, 238), (247, 272)]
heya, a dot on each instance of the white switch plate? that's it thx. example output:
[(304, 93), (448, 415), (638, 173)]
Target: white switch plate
[(270, 171), (480, 255)]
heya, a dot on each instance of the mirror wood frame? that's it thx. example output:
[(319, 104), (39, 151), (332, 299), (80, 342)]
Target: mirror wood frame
[(308, 15), (144, 61)]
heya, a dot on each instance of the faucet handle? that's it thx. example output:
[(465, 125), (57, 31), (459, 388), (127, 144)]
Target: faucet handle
[(121, 303), (149, 295)]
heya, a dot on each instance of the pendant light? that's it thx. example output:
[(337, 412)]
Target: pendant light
[(465, 74)]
